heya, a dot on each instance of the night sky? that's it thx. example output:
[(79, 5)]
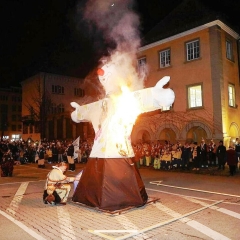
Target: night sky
[(52, 36)]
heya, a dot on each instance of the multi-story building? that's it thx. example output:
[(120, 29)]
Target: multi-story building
[(10, 113), (46, 109), (200, 52)]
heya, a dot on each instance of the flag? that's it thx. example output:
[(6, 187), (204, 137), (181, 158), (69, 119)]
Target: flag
[(76, 147)]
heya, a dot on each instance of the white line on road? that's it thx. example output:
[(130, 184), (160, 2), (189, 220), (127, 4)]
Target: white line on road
[(192, 223), (128, 226), (22, 226), (158, 183), (17, 198), (222, 210), (65, 223)]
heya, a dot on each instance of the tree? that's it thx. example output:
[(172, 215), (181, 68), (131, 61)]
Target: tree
[(39, 107)]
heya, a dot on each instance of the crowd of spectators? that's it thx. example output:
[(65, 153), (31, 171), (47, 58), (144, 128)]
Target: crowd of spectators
[(41, 152), (189, 156)]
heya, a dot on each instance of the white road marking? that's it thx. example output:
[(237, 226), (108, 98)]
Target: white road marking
[(128, 226), (22, 226), (192, 189), (65, 223), (13, 208), (17, 198), (177, 217), (192, 223), (222, 210)]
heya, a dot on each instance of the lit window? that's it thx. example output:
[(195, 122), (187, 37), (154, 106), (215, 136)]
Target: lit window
[(193, 50), (142, 66), (195, 96), (15, 136), (164, 58), (229, 50), (231, 95)]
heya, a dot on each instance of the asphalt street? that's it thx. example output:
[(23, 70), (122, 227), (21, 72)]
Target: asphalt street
[(189, 205)]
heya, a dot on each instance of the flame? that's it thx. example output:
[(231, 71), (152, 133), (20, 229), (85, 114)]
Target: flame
[(127, 110)]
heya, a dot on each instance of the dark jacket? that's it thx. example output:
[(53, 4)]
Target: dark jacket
[(70, 150), (231, 157), (221, 151), (41, 152), (237, 147)]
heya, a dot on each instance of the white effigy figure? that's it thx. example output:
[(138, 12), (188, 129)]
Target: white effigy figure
[(113, 118)]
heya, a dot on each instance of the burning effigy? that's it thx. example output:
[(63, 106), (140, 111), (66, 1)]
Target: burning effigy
[(111, 180)]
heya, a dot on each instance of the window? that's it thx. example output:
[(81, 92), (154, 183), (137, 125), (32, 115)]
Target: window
[(15, 137), (164, 57), (14, 128), (142, 64), (57, 108), (229, 50), (3, 97), (195, 96), (54, 108), (231, 95), (79, 92), (57, 89), (14, 117), (4, 108), (193, 50), (60, 108), (14, 108), (25, 129)]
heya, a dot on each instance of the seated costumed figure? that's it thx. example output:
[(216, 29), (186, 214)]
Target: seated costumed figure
[(57, 187)]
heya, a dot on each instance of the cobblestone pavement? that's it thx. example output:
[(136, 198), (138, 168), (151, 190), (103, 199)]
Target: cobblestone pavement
[(172, 216)]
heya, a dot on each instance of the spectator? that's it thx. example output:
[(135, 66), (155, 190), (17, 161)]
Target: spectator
[(54, 153), (221, 155), (186, 154), (70, 158), (41, 153), (203, 154), (7, 164), (196, 156), (231, 160)]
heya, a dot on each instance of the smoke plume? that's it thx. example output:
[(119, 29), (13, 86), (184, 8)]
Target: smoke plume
[(120, 25)]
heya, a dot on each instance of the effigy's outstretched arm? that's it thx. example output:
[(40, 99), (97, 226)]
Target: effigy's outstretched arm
[(157, 97), (87, 113)]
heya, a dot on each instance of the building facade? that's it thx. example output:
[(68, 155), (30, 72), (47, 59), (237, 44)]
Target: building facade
[(11, 109), (204, 69), (46, 109)]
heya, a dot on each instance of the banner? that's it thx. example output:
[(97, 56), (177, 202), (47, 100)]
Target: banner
[(76, 147)]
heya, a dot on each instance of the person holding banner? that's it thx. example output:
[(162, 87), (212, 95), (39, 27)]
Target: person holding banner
[(70, 158)]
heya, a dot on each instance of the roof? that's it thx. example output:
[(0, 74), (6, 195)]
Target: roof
[(187, 15)]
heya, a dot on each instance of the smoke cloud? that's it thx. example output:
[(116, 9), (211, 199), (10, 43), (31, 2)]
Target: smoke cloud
[(120, 25)]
